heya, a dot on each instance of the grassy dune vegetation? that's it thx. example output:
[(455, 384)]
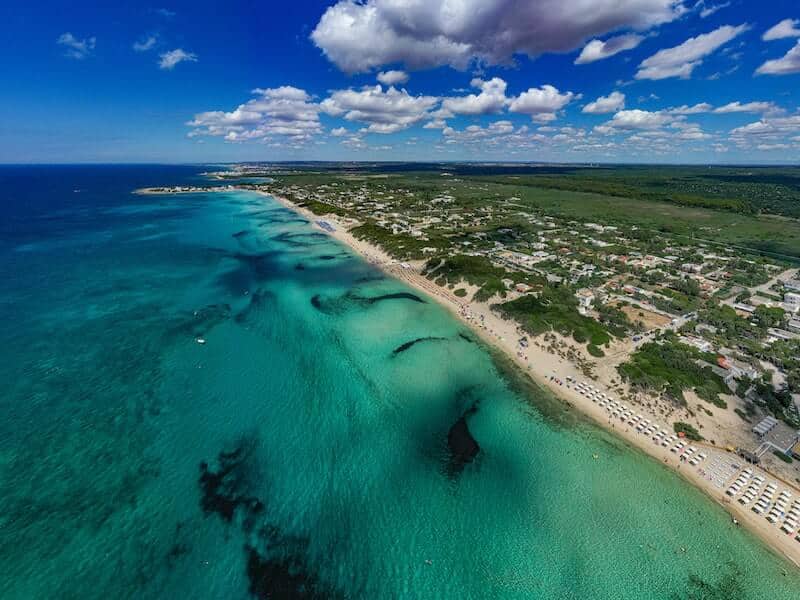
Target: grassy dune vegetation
[(555, 309), (671, 368)]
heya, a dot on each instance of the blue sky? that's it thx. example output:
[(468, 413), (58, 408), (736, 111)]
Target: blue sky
[(549, 80)]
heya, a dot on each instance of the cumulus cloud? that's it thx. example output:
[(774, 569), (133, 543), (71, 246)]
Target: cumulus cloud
[(770, 128), (681, 60), (542, 103), (636, 119), (284, 111), (168, 60), (606, 104), (785, 29), (76, 48), (383, 111), (339, 132), (393, 77), (491, 99), (748, 107), (786, 65), (359, 36), (476, 132), (145, 43), (693, 133), (695, 109), (598, 50)]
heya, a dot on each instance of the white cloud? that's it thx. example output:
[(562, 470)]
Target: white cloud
[(696, 109), (76, 48), (785, 29), (708, 10), (751, 107), (606, 104), (780, 126), (542, 103), (392, 77), (284, 111), (168, 60), (636, 120), (145, 43), (681, 60), (786, 65), (476, 132), (384, 112), (598, 50), (491, 99), (693, 133), (435, 124), (359, 36), (339, 132)]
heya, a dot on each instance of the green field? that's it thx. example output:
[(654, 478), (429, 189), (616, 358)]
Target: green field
[(735, 223)]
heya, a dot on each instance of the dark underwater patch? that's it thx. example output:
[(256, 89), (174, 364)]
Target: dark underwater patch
[(250, 270), (370, 278), (301, 240), (407, 345), (466, 337), (351, 299), (258, 301), (199, 323), (280, 578), (729, 587), (241, 233), (226, 490), (179, 548), (462, 445), (383, 297), (276, 564)]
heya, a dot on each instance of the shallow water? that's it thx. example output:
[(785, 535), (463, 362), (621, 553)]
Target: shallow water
[(338, 435)]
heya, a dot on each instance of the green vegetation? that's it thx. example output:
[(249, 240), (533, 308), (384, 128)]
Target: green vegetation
[(671, 367), (556, 309), (614, 319), (751, 208), (687, 430), (400, 245), (460, 292), (595, 351), (750, 191), (778, 403), (321, 208), (782, 456), (472, 269)]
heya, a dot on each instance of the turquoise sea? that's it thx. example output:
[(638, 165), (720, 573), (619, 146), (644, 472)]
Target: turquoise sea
[(338, 435)]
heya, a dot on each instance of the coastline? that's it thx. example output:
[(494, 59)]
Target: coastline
[(539, 365)]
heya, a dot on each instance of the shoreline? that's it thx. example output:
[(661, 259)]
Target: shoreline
[(538, 364)]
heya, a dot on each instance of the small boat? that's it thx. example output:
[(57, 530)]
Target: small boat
[(200, 341)]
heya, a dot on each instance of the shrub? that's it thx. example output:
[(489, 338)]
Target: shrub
[(688, 430), (595, 351)]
